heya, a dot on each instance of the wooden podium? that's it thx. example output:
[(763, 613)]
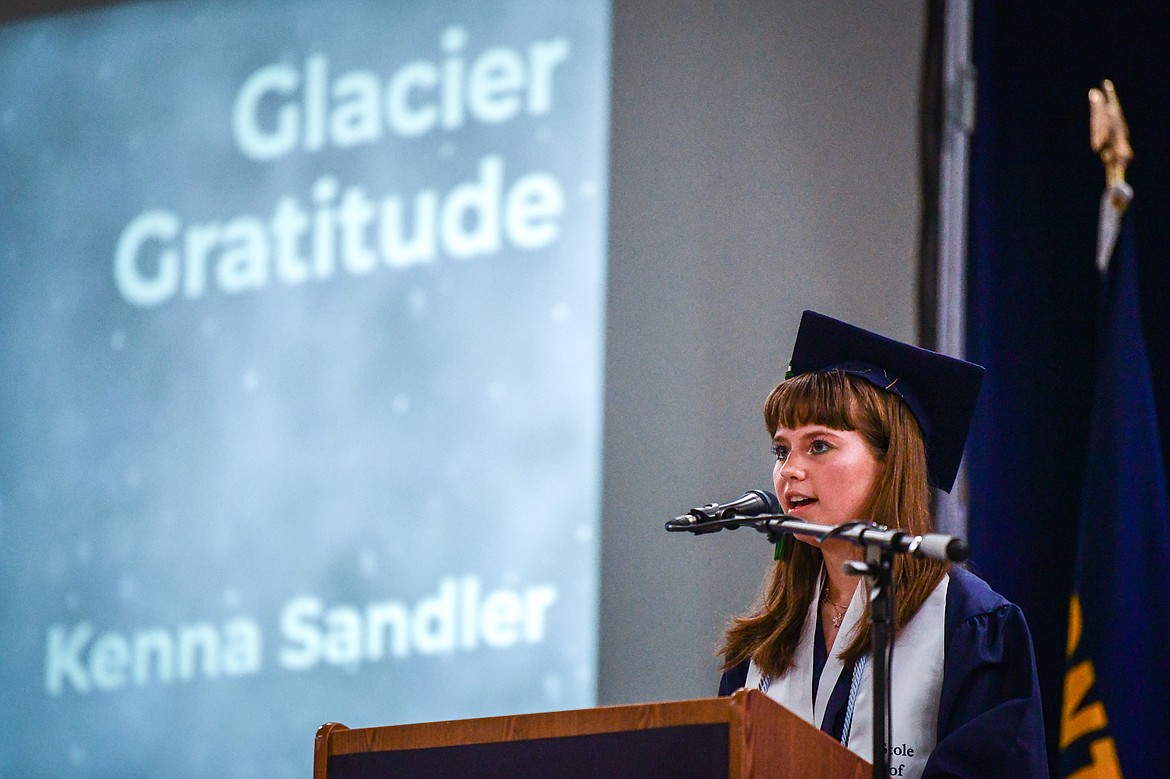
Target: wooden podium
[(745, 735)]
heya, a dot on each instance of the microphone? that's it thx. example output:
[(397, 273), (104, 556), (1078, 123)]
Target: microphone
[(755, 503), (752, 503), (937, 546), (934, 546)]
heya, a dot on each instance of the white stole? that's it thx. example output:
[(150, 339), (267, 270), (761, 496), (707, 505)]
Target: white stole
[(915, 688)]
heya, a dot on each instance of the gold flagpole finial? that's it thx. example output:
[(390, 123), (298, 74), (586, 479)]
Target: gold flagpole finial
[(1108, 133)]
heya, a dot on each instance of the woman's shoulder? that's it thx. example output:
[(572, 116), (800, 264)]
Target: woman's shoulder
[(734, 678), (990, 720), (968, 596)]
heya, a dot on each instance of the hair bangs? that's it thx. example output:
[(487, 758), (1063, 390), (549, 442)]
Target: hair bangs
[(829, 398)]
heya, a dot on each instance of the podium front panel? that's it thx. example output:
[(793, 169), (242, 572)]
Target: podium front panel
[(699, 751)]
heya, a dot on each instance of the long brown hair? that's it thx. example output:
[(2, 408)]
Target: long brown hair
[(900, 498)]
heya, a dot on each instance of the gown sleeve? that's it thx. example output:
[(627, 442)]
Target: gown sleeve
[(733, 678), (990, 721)]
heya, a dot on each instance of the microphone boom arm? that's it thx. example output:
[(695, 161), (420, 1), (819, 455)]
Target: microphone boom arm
[(935, 546)]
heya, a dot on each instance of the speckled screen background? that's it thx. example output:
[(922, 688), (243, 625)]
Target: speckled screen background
[(301, 346)]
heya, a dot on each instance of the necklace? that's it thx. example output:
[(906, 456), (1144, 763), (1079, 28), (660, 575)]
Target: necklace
[(838, 611)]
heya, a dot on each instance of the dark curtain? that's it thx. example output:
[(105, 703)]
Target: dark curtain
[(930, 135), (1033, 288)]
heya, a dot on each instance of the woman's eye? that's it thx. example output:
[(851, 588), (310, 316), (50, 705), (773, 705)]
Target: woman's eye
[(780, 452), (819, 447)]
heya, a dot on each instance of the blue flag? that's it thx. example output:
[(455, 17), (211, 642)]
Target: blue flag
[(1116, 712)]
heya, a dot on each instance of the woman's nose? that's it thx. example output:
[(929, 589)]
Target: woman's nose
[(790, 469)]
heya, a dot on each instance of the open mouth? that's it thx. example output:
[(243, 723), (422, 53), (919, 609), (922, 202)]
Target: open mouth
[(796, 504)]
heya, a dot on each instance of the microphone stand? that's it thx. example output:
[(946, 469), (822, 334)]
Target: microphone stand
[(879, 569), (881, 544)]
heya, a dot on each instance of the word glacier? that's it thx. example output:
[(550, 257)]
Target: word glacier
[(459, 617), (280, 108)]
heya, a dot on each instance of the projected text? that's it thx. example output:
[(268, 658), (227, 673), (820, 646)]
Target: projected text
[(278, 110), (460, 617), (158, 256)]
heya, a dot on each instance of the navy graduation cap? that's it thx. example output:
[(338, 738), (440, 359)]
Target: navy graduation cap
[(940, 391)]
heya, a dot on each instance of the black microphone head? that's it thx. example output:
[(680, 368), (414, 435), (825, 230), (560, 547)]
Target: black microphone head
[(958, 551), (771, 502), (752, 504)]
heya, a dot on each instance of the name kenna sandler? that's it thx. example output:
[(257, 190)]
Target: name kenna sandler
[(460, 616)]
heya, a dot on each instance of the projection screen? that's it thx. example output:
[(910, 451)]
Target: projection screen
[(303, 315)]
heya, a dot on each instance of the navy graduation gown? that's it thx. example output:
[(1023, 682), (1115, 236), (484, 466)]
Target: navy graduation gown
[(990, 722)]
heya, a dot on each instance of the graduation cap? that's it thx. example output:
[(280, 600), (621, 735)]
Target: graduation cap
[(940, 391)]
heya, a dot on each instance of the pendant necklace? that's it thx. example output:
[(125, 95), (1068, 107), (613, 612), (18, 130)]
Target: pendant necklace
[(838, 611)]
